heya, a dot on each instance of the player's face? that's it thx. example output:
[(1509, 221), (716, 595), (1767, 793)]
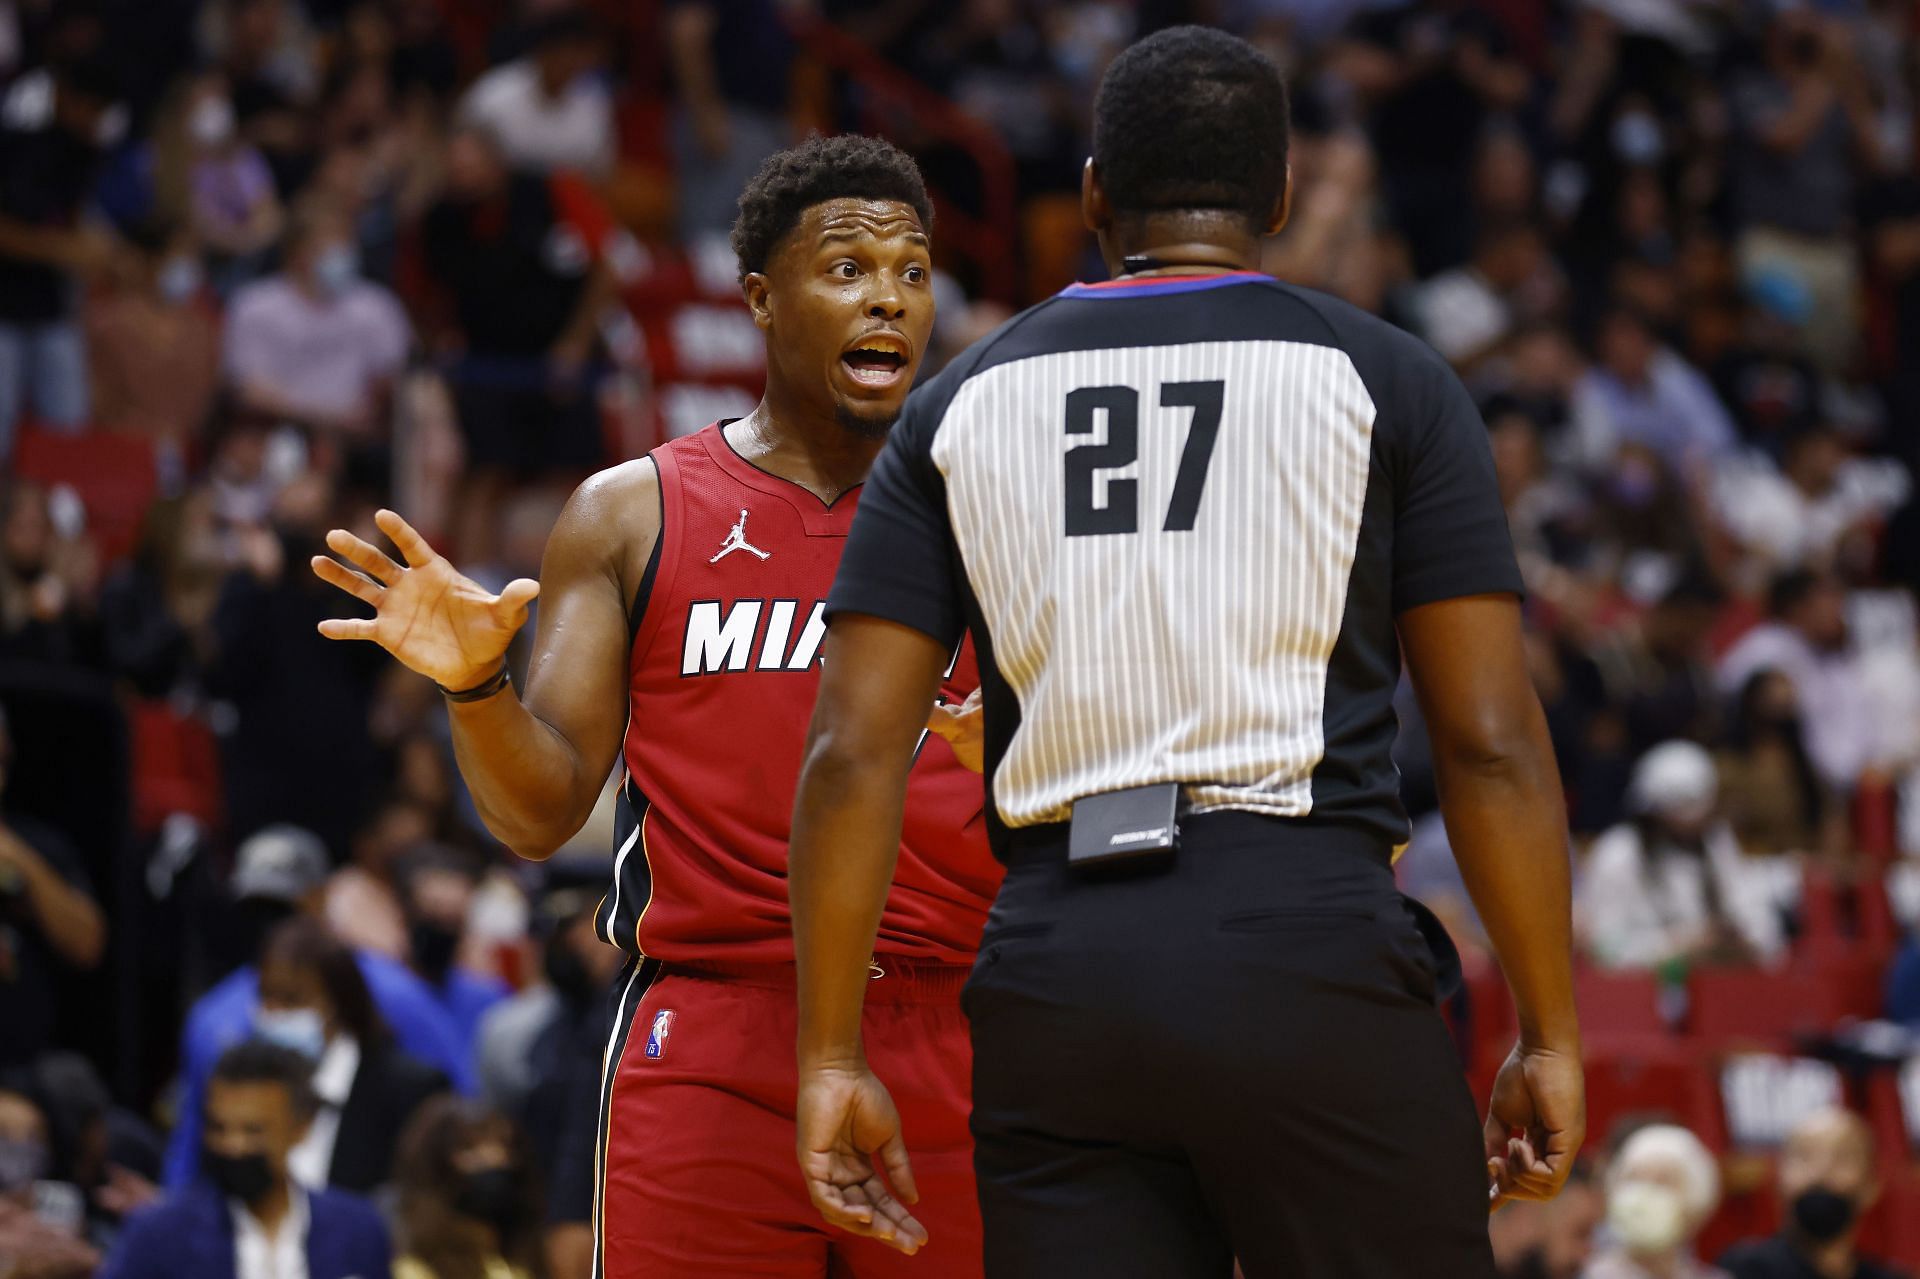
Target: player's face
[(848, 308)]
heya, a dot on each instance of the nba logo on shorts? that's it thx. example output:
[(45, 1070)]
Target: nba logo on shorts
[(657, 1034)]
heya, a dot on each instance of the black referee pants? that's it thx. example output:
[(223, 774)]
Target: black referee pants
[(1235, 1056)]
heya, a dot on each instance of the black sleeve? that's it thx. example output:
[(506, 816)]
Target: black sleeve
[(901, 563), (1450, 533)]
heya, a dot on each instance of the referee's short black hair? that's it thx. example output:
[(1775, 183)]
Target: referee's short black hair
[(1192, 118), (818, 170)]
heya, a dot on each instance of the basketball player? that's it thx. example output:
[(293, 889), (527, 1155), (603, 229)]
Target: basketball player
[(683, 596)]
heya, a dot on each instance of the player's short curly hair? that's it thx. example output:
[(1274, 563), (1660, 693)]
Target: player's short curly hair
[(818, 170), (1192, 118)]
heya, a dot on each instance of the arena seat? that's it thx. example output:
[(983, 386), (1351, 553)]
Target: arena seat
[(1617, 1004), (1665, 1077), (1758, 1007), (1899, 1209), (176, 765)]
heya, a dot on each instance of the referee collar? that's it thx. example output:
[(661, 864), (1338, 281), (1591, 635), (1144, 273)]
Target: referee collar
[(1136, 286)]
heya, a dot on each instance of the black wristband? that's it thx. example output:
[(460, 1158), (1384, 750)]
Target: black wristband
[(481, 691)]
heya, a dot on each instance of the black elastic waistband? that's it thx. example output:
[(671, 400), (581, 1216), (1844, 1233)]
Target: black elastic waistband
[(1226, 828)]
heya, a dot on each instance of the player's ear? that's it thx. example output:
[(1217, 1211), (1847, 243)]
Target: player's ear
[(758, 292), (1284, 207), (1095, 211)]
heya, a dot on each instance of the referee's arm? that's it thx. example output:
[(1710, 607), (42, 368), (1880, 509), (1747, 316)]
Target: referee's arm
[(1500, 794), (1455, 588), (894, 620)]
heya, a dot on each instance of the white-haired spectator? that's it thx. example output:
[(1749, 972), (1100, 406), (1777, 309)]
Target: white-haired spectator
[(1662, 1187), (1671, 884)]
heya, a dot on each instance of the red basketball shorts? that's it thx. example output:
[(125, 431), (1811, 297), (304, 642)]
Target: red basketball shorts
[(697, 1172)]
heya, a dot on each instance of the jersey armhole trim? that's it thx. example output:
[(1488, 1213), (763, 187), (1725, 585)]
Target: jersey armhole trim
[(637, 611), (663, 565)]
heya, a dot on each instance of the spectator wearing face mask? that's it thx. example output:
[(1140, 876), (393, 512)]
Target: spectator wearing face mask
[(1775, 799), (1826, 1187), (469, 1201), (49, 573), (1662, 1187), (314, 1001), (251, 1217), (109, 1156), (153, 341), (230, 196), (317, 344), (36, 1243), (1805, 638), (280, 874), (437, 889), (1672, 886)]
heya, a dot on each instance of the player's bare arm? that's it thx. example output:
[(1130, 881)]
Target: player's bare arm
[(535, 762), (1500, 794), (846, 836)]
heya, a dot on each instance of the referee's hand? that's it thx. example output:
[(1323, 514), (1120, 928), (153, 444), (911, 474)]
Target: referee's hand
[(1535, 1124), (848, 1134)]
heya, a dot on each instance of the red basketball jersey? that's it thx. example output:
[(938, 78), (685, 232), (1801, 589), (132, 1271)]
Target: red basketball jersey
[(723, 670)]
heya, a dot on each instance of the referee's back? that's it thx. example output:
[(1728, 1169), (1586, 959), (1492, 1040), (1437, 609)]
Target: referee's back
[(1187, 510)]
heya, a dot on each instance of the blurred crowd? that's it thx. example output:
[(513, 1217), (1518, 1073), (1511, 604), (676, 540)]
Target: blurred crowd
[(268, 265)]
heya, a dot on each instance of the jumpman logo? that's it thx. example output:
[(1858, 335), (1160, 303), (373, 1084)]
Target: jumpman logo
[(737, 541)]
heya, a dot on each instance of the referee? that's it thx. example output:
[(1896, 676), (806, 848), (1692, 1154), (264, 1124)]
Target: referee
[(1193, 518)]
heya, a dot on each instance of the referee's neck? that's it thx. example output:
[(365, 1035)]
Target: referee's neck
[(1179, 241), (1183, 257)]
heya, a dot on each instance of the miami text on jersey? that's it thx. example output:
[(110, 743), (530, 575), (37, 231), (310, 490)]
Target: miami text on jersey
[(718, 640)]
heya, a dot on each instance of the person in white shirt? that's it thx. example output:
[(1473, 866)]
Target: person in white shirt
[(317, 344), (1672, 884), (249, 1218), (547, 110), (1806, 640)]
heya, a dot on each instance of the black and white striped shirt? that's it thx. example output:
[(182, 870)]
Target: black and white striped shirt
[(1180, 515)]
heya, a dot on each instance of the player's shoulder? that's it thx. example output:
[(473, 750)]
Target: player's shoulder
[(613, 516), (618, 492)]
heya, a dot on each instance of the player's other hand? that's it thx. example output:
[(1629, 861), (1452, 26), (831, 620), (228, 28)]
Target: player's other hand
[(965, 728), (848, 1136), (1535, 1124), (435, 619)]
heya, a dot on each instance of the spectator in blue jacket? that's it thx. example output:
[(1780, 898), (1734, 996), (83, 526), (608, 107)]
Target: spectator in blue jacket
[(281, 872), (247, 1218), (437, 888)]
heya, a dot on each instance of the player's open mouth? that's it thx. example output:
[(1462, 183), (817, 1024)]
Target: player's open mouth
[(877, 361)]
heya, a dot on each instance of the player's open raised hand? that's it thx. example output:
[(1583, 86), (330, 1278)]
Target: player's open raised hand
[(848, 1133), (435, 619)]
